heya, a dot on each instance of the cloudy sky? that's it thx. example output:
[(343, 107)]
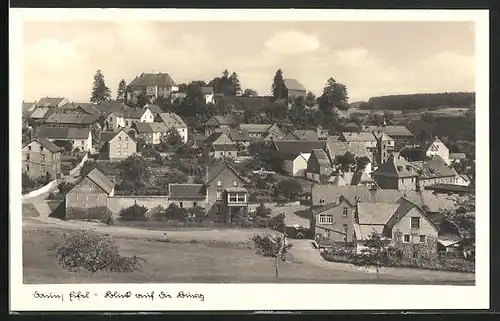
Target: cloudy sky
[(370, 58)]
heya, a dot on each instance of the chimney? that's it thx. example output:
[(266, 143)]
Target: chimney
[(337, 199)]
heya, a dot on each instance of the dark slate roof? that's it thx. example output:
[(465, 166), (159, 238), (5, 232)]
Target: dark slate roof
[(134, 113), (150, 127), (293, 84), (433, 168), (155, 109), (256, 128), (149, 79), (305, 134), (27, 106), (108, 107), (187, 191), (297, 147), (72, 118), (47, 144), (359, 137), (62, 133), (238, 135), (396, 167), (223, 120), (107, 136), (337, 148), (101, 180), (49, 101), (396, 130), (214, 171)]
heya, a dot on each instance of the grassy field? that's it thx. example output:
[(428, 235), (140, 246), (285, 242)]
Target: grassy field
[(200, 262)]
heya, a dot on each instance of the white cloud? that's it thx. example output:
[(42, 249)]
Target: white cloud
[(292, 42), (67, 67)]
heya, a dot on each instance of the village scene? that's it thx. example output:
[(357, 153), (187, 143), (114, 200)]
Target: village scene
[(209, 181)]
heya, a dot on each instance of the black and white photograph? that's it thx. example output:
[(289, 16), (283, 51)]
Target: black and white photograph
[(230, 150)]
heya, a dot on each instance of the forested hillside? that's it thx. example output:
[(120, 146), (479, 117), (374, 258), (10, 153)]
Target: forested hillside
[(421, 101)]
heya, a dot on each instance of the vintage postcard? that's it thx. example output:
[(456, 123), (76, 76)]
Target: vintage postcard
[(248, 159)]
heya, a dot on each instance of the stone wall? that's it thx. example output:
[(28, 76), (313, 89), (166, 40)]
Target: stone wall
[(118, 203)]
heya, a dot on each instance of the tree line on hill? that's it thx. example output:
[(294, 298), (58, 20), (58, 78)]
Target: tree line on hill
[(420, 101)]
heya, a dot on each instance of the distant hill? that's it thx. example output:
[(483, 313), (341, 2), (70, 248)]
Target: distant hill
[(421, 101)]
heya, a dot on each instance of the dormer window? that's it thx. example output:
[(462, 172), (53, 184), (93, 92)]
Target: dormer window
[(322, 200), (400, 168), (41, 148)]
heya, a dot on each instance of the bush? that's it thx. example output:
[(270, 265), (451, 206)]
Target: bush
[(65, 187), (94, 253), (134, 213), (262, 211), (27, 182), (91, 213)]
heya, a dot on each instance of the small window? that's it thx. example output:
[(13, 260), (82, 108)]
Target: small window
[(195, 204), (322, 200), (221, 153), (119, 152), (181, 205), (345, 228), (41, 148), (85, 205), (119, 138), (235, 183), (29, 147), (76, 196), (415, 255), (422, 238), (28, 157), (406, 238), (415, 222), (126, 138), (219, 183), (345, 210), (42, 168)]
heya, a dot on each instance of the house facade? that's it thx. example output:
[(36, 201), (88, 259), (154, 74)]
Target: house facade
[(221, 146), (220, 124), (396, 173), (208, 94), (175, 121), (152, 85), (294, 155), (89, 197), (438, 148), (366, 138), (401, 135), (385, 147), (152, 133), (333, 223), (318, 165), (227, 197), (42, 158), (117, 145), (140, 115)]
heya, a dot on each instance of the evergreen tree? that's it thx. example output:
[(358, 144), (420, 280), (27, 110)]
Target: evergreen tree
[(278, 86), (100, 92), (235, 82), (122, 90)]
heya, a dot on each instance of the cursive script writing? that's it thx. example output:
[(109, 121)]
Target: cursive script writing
[(50, 295)]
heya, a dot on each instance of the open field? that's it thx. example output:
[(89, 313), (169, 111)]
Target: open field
[(202, 262)]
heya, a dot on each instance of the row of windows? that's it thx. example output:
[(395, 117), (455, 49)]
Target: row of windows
[(416, 239), (43, 157), (235, 183), (119, 145), (43, 167), (86, 197)]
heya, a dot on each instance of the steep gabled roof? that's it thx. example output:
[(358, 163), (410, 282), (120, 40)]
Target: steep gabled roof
[(108, 136), (238, 135), (72, 118), (206, 90), (433, 168), (172, 120), (222, 120), (108, 107), (329, 206), (215, 170), (150, 79), (101, 180), (41, 112), (46, 144), (397, 168), (457, 156), (49, 101), (321, 156), (134, 113), (359, 137), (154, 109), (404, 206), (293, 84), (150, 127), (376, 213)]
